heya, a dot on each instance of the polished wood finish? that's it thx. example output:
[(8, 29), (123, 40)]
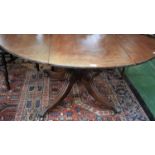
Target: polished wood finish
[(88, 51), (77, 52), (81, 51), (29, 46), (70, 81)]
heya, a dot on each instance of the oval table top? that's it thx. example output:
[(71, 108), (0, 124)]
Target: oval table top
[(81, 50)]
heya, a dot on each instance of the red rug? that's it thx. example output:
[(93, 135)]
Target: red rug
[(33, 91)]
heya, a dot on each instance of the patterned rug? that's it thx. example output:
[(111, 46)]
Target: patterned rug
[(32, 91)]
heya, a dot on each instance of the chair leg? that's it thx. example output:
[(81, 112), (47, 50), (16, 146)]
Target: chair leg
[(37, 67), (11, 57), (52, 68), (5, 72), (123, 71)]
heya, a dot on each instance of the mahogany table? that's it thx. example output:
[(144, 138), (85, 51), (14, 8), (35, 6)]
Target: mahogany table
[(80, 55)]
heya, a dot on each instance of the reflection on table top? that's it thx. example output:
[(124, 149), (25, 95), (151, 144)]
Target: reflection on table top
[(81, 51)]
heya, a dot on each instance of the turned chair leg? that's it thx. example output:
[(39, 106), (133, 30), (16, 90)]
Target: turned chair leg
[(5, 72)]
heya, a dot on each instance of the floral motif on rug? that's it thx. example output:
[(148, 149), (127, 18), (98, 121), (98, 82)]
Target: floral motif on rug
[(32, 91)]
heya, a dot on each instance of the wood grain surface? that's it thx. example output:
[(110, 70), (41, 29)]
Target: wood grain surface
[(81, 50)]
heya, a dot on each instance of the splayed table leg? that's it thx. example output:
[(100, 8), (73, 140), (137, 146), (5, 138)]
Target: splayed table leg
[(87, 78)]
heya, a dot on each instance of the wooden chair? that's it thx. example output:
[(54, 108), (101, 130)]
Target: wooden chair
[(5, 58)]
